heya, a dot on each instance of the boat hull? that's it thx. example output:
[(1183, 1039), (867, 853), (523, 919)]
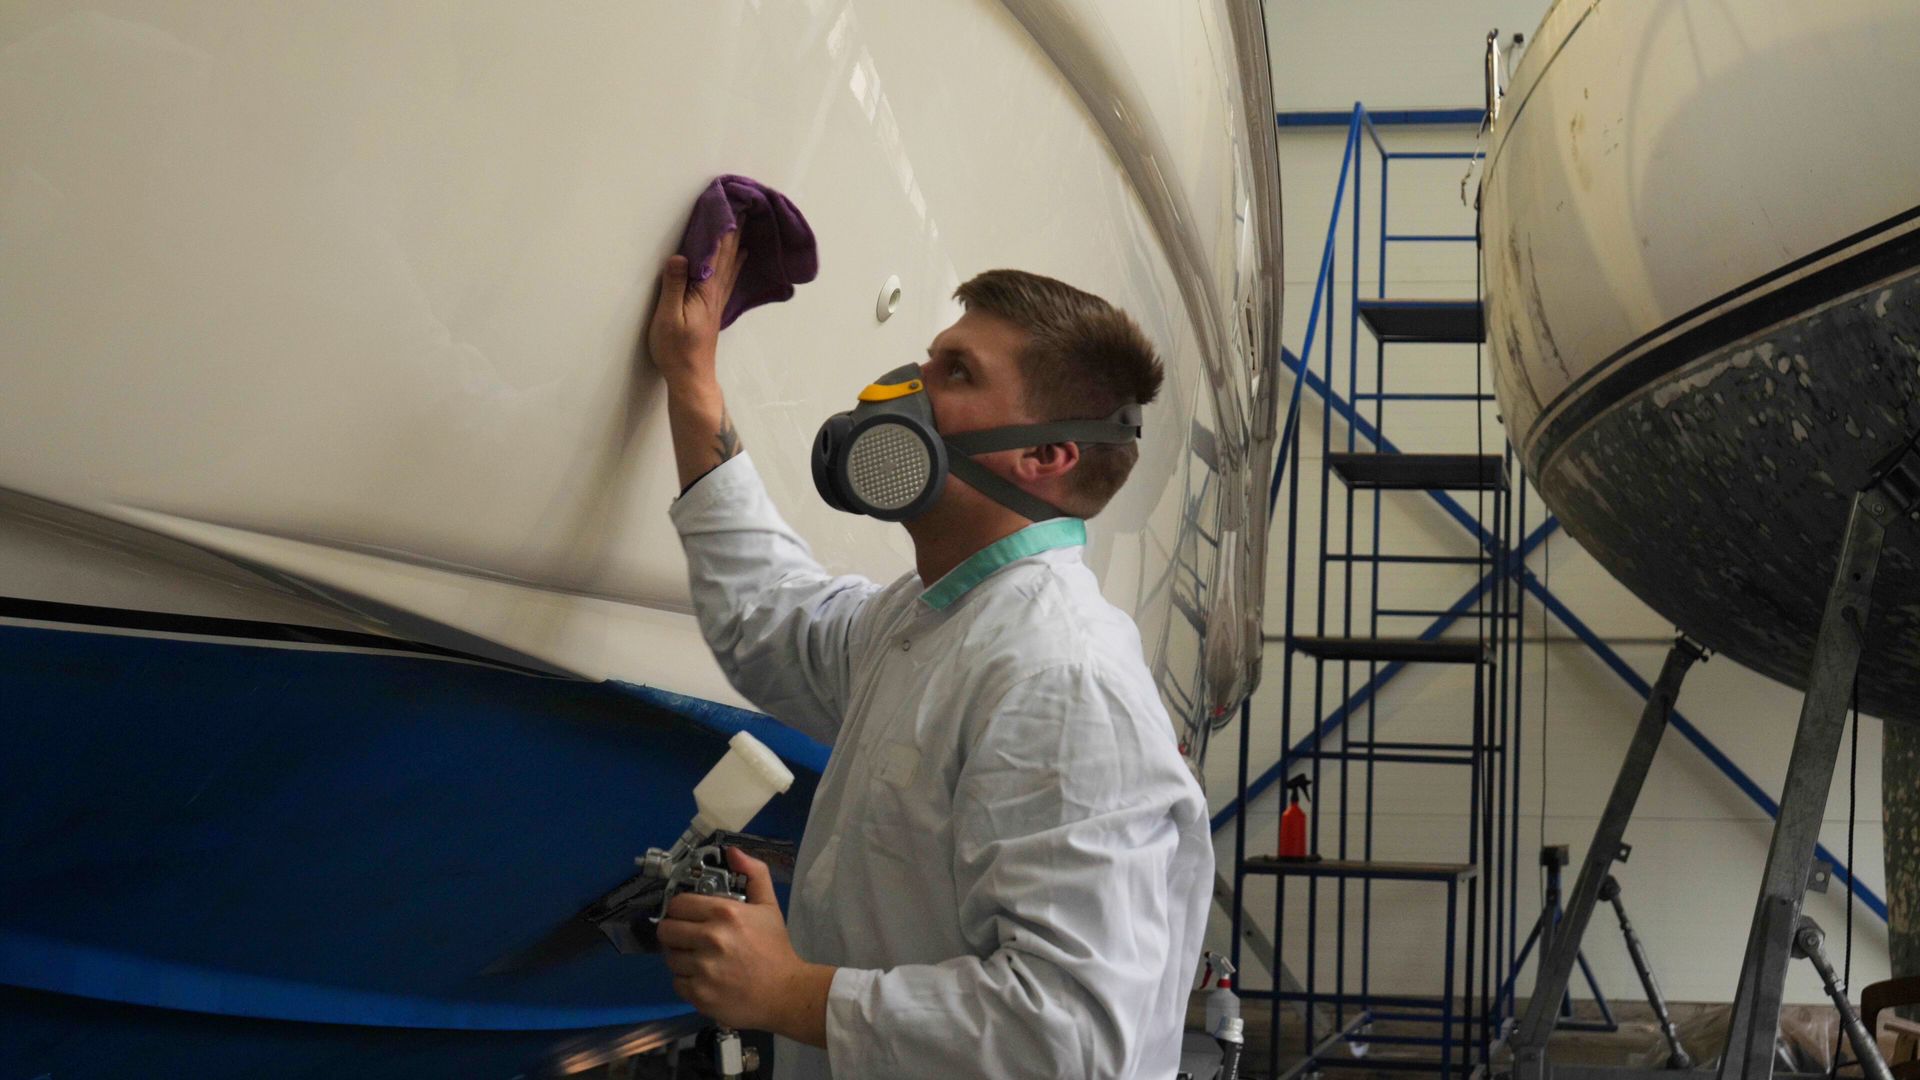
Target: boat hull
[(1704, 309), (353, 299)]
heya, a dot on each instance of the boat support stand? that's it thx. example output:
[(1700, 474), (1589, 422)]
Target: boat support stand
[(1893, 492)]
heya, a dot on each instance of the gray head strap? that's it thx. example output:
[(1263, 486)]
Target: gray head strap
[(994, 487), (1121, 427)]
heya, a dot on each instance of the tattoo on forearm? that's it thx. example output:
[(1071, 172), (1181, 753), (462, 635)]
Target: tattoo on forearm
[(726, 441)]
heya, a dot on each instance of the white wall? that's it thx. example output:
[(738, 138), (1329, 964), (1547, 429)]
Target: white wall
[(1698, 843), (1328, 54)]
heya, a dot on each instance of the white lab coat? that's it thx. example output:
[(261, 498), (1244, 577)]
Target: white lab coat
[(1007, 857)]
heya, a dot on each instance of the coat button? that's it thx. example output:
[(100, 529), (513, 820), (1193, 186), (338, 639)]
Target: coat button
[(905, 646)]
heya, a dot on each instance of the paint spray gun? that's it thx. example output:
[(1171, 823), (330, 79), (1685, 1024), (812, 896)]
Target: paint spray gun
[(729, 797), (736, 789)]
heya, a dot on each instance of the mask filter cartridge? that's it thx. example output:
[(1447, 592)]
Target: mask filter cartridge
[(886, 459)]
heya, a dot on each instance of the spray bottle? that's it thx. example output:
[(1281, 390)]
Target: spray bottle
[(1222, 1003), (1293, 820), (1223, 1013)]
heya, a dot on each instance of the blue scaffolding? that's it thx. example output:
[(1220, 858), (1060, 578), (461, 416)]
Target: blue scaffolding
[(1480, 906)]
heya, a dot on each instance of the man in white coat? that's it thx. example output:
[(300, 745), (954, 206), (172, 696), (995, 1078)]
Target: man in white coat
[(1007, 866)]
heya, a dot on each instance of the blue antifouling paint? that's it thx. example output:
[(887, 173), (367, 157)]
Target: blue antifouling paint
[(267, 833)]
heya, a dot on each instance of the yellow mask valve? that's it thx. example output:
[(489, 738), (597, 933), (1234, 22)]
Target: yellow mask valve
[(890, 391)]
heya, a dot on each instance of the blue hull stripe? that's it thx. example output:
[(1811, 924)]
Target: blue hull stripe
[(35, 964)]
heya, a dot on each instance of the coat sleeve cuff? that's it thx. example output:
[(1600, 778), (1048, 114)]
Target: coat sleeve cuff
[(852, 1041), (727, 487)]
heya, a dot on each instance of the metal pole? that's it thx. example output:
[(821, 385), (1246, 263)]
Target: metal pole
[(1346, 608), (1250, 937), (1556, 968), (1373, 592), (1446, 990), (1280, 936), (1677, 1056), (1471, 1042), (1236, 888), (1502, 949), (1803, 798), (1807, 942), (1552, 911)]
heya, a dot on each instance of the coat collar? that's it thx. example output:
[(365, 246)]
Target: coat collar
[(1032, 540)]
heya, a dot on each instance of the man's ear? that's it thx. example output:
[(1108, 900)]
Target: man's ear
[(1041, 463)]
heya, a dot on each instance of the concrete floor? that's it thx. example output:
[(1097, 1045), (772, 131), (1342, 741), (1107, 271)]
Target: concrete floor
[(1810, 1032), (1702, 1027)]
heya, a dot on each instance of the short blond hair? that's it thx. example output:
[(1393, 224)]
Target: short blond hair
[(1084, 360)]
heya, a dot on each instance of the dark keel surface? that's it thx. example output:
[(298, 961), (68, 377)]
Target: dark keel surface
[(1900, 799), (1719, 493)]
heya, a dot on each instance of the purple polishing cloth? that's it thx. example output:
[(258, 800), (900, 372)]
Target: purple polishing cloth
[(778, 242)]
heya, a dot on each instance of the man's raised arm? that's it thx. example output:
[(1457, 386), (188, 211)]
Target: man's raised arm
[(683, 340), (777, 622)]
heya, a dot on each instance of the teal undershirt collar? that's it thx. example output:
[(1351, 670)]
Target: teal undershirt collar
[(1032, 540)]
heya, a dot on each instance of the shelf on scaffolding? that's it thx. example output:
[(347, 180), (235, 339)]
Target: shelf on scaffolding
[(1377, 870), (1420, 472), (1425, 322), (1387, 650)]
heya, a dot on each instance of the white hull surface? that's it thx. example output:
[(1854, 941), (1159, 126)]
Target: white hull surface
[(328, 314)]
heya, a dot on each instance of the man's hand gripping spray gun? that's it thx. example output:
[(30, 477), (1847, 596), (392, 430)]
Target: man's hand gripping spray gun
[(733, 792)]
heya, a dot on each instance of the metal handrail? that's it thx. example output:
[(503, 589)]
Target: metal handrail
[(1321, 282), (1495, 91)]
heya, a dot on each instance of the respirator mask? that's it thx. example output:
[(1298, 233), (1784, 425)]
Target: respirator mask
[(885, 458)]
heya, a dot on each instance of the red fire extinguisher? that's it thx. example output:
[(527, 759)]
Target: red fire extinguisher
[(1293, 820)]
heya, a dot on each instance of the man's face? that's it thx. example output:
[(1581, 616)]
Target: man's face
[(973, 375), (975, 382)]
